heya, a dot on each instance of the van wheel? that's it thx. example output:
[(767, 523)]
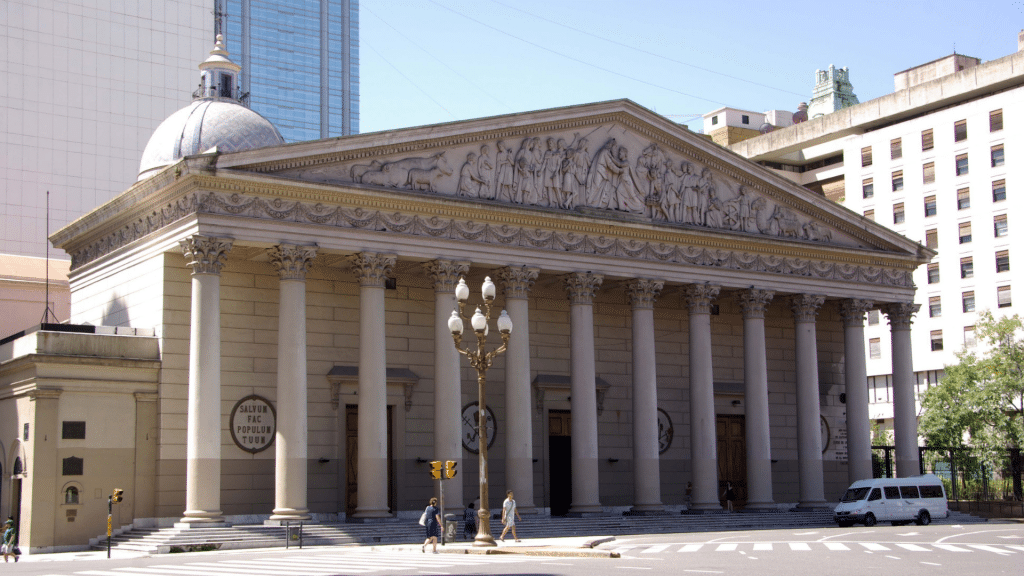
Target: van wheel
[(869, 519), (924, 518), (844, 523)]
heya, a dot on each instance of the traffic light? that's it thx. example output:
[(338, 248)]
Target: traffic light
[(449, 468), (435, 469), (118, 495)]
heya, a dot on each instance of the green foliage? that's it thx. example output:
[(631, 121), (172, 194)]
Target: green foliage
[(978, 403)]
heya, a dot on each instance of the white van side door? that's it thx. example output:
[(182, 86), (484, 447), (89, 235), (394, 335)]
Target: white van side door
[(892, 504)]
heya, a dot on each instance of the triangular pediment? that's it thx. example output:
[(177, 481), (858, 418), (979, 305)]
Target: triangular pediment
[(613, 159)]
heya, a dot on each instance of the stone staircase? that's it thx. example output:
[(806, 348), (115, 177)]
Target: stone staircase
[(165, 540)]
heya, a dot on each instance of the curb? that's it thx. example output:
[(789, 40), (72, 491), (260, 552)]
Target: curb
[(585, 550)]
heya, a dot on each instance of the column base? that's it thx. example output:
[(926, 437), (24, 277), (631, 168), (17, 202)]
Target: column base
[(700, 507), (586, 511), (760, 507), (278, 519), (813, 505), (203, 519), (646, 510), (371, 513)]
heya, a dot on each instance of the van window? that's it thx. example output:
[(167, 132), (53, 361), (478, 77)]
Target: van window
[(892, 492), (856, 494), (909, 492), (932, 492), (876, 494)]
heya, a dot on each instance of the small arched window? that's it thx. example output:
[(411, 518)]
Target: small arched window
[(71, 495), (17, 466)]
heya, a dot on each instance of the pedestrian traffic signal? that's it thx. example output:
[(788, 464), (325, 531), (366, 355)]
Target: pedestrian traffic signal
[(436, 469), (118, 495), (449, 468)]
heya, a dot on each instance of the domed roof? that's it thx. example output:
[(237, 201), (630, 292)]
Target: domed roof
[(215, 119)]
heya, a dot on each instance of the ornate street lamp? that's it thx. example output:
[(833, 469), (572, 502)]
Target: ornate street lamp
[(481, 360)]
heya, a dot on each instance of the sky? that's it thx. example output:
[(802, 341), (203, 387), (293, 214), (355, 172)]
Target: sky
[(434, 61)]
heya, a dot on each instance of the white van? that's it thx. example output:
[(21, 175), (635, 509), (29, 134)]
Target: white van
[(897, 500)]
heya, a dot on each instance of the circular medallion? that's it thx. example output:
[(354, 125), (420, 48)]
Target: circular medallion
[(826, 435), (665, 431), (253, 424), (470, 421)]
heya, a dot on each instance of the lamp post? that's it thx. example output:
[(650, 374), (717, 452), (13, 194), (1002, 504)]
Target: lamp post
[(481, 360)]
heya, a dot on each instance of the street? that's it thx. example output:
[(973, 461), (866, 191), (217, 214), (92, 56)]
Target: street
[(988, 549)]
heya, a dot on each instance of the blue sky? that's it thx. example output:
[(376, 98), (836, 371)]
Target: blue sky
[(432, 61)]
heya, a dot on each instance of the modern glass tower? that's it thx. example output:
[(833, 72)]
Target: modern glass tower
[(300, 62)]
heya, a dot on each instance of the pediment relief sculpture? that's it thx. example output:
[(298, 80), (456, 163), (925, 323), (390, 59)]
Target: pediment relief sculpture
[(607, 169)]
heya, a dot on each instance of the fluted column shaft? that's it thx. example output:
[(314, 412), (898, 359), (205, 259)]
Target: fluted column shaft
[(646, 458), (808, 407), (858, 424), (904, 404), (703, 438), (753, 302), (581, 287), (372, 269), (447, 381), (205, 257), (516, 282), (291, 439)]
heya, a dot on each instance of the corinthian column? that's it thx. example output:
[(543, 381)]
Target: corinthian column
[(447, 383), (516, 282), (646, 464), (755, 393), (904, 405), (858, 426), (808, 407), (205, 257), (703, 438), (581, 287), (291, 438), (372, 269)]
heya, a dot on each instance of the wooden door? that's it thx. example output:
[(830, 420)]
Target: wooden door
[(560, 461), (732, 455), (352, 460)]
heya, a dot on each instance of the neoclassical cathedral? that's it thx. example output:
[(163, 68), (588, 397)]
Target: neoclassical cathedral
[(260, 331)]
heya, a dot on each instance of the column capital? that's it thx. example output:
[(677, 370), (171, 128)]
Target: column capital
[(516, 281), (206, 254), (806, 306), (699, 296), (900, 314), (291, 261), (581, 286), (445, 273), (853, 310), (754, 302), (643, 292), (372, 268)]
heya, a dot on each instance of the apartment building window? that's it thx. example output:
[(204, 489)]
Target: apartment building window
[(965, 233), (879, 387), (927, 140), (929, 172), (936, 340), (933, 273), (1003, 261), (969, 340), (968, 301), (1003, 297), (875, 348), (997, 156), (995, 120), (967, 267), (934, 306), (960, 131), (897, 181), (1001, 226), (873, 317), (963, 198), (930, 208), (868, 188), (870, 215), (999, 190), (745, 119), (961, 165), (896, 148), (899, 215), (931, 238), (714, 120), (865, 156)]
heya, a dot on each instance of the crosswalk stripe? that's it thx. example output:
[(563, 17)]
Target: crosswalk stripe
[(913, 547), (1021, 548), (622, 549), (656, 549), (799, 546), (873, 546), (691, 547), (999, 551), (726, 547), (951, 548), (761, 546), (836, 546)]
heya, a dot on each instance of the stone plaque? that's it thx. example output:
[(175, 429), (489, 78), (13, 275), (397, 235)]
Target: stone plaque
[(253, 424)]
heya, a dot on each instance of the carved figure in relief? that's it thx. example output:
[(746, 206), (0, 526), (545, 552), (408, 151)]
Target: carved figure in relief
[(423, 178), (575, 167), (485, 170), (524, 173), (396, 173), (537, 170), (705, 191), (503, 183), (690, 196), (469, 180), (784, 222), (670, 200), (611, 184), (817, 232), (762, 217), (747, 221), (551, 178), (356, 172)]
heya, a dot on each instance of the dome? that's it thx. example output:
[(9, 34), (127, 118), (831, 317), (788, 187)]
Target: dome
[(216, 119), (205, 124)]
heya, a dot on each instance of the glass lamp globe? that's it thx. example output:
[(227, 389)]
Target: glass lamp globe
[(504, 323), (489, 290), (462, 291), (455, 323), (479, 321)]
